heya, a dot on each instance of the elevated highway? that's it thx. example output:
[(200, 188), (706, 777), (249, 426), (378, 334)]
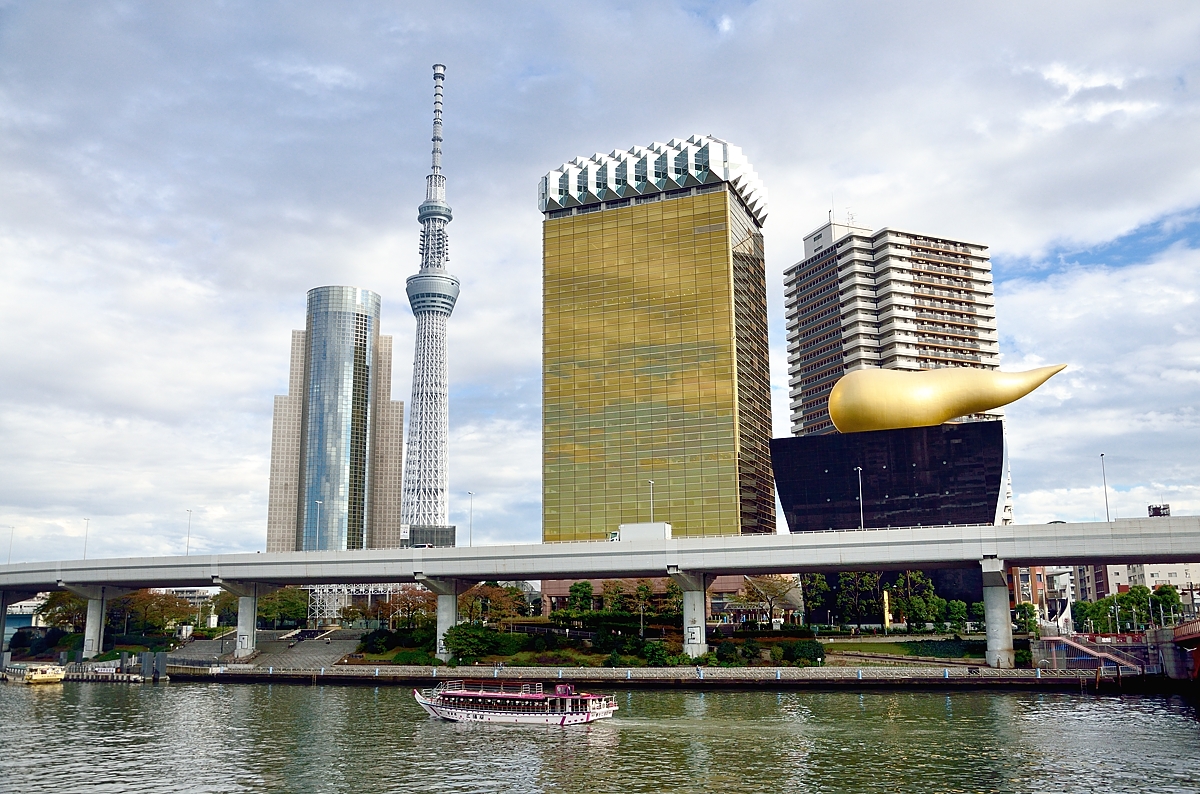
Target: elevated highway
[(691, 561)]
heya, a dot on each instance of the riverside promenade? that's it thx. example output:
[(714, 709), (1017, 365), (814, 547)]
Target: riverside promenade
[(948, 677)]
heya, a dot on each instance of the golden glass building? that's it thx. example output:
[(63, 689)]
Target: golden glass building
[(655, 362)]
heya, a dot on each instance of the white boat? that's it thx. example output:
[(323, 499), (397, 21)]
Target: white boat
[(524, 704), (36, 673)]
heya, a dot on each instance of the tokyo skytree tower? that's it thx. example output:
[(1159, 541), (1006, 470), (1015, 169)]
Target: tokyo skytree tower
[(431, 293)]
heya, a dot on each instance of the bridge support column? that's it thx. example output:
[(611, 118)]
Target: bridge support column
[(247, 628), (97, 597), (695, 609), (447, 609), (997, 615), (4, 599)]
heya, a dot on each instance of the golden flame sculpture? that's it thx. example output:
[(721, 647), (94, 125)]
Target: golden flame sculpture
[(886, 399)]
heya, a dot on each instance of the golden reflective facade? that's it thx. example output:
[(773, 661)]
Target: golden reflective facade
[(887, 399), (655, 368)]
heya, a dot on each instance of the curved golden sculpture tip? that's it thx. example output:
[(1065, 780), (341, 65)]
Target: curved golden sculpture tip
[(886, 399)]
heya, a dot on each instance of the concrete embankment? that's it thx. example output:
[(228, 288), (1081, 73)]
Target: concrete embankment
[(948, 677)]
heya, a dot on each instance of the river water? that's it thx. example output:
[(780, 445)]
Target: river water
[(233, 738)]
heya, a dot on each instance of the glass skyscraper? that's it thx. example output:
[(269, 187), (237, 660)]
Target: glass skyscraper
[(336, 446), (655, 363)]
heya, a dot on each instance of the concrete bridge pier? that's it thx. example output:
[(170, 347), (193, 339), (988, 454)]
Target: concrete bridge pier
[(447, 609), (5, 599), (247, 629), (97, 597), (997, 615), (695, 609)]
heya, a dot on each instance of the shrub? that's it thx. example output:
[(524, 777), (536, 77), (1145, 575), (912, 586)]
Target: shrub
[(809, 651), (656, 654), (776, 653), (613, 659), (469, 641), (511, 644), (750, 650), (726, 652), (21, 639), (1022, 658)]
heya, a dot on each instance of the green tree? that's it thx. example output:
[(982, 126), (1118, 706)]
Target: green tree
[(225, 607), (1165, 603), (673, 601), (815, 589), (956, 615), (288, 604), (580, 596), (978, 611), (643, 597), (774, 590), (470, 641), (64, 610), (1026, 615), (614, 595), (858, 595)]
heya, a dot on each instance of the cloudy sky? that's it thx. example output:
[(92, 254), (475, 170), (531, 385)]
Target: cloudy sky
[(174, 177)]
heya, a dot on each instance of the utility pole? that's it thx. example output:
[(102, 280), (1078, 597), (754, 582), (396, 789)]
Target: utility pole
[(87, 522), (471, 520), (12, 532), (651, 500), (187, 549)]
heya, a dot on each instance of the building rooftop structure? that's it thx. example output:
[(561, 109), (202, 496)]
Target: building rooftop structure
[(651, 173)]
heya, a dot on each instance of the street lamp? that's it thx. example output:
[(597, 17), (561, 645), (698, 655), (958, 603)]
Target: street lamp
[(12, 531), (87, 522), (862, 524), (471, 520), (651, 500), (1104, 479), (187, 549)]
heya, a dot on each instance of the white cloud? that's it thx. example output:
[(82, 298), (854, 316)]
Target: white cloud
[(173, 180)]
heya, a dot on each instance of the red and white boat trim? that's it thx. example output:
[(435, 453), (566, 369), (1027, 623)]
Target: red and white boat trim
[(523, 704)]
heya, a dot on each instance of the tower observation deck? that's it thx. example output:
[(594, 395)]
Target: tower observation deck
[(432, 293)]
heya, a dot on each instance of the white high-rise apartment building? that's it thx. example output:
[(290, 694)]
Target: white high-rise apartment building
[(891, 299)]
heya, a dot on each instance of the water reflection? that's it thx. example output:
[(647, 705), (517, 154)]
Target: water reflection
[(210, 738)]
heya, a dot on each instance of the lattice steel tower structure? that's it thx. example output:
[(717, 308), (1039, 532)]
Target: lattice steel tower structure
[(432, 293)]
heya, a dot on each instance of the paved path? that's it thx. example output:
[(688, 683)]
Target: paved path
[(306, 655), (692, 677)]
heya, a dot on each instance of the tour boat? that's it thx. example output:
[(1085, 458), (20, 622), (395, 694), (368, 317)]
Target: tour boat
[(37, 674), (525, 704)]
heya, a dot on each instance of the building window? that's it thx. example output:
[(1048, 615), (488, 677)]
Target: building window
[(702, 159), (660, 167), (564, 184), (639, 170), (681, 163), (581, 184), (601, 177), (622, 173)]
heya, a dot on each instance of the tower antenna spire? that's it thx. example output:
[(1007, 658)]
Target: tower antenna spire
[(432, 293)]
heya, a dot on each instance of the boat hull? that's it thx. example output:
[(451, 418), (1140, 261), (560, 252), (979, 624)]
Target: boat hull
[(453, 714)]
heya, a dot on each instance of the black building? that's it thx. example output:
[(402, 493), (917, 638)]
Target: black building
[(919, 476)]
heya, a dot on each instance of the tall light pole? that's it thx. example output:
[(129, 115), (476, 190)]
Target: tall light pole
[(471, 519), (12, 532), (862, 524), (1104, 479), (187, 549), (87, 522), (651, 500)]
